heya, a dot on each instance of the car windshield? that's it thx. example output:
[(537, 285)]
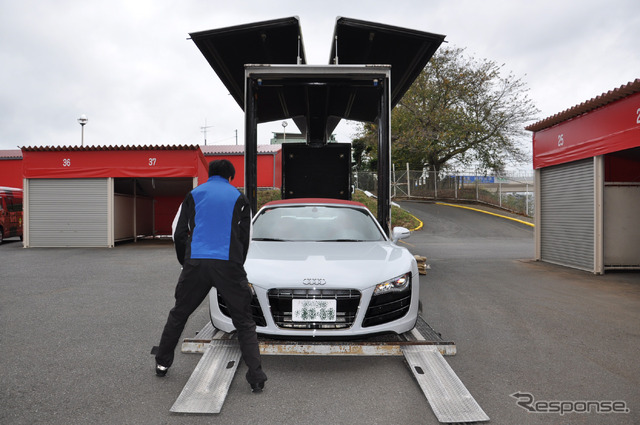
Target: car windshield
[(315, 223)]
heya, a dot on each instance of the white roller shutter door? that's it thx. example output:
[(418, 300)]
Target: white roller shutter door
[(68, 212), (567, 208)]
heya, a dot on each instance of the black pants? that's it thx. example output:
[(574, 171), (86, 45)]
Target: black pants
[(230, 279)]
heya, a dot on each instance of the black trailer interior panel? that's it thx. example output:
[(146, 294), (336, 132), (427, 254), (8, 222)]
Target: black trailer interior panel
[(316, 171)]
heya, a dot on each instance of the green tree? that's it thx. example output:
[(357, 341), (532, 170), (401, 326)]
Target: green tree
[(459, 109), (359, 150)]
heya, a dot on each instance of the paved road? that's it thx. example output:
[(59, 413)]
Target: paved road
[(77, 326), (520, 325)]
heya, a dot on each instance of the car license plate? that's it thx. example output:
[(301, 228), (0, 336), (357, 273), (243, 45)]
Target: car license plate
[(314, 310)]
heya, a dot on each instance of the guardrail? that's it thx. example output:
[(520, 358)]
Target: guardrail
[(511, 192)]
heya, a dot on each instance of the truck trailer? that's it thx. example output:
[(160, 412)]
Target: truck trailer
[(371, 66)]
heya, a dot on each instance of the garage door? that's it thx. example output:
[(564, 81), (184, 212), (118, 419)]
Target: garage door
[(68, 212), (567, 229)]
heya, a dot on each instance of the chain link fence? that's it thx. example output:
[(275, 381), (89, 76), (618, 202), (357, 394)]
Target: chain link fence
[(511, 192)]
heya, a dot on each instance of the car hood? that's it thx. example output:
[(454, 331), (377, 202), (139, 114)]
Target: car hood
[(341, 264)]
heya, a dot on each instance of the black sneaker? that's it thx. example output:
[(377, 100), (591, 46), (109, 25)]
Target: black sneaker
[(257, 387), (161, 370)]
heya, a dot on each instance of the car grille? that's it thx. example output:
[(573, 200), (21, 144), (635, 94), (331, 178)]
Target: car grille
[(256, 311), (387, 307), (347, 302)]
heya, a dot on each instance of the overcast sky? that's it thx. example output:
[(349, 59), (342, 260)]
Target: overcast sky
[(127, 64)]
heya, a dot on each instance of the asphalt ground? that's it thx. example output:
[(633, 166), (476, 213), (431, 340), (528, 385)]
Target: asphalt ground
[(77, 327)]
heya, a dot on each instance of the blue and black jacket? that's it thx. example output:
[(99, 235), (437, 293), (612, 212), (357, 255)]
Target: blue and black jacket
[(214, 222)]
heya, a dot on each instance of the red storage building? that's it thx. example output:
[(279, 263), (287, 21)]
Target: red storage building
[(587, 167), (96, 196)]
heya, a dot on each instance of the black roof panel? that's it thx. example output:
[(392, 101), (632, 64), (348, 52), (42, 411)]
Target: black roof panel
[(321, 106), (229, 49), (407, 51)]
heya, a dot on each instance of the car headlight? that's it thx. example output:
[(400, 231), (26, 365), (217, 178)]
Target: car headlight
[(399, 283), (253, 291)]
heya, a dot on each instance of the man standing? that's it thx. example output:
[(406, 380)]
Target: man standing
[(211, 240)]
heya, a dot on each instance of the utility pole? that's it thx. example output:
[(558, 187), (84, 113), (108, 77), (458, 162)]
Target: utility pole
[(203, 129)]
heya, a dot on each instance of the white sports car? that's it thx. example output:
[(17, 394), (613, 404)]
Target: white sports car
[(324, 267)]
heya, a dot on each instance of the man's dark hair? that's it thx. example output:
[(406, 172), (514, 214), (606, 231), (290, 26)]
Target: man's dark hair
[(223, 168)]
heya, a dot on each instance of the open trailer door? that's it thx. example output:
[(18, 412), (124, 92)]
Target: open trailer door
[(370, 68)]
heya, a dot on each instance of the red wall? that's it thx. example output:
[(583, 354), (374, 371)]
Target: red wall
[(165, 210), (111, 163), (611, 128), (11, 172), (265, 169), (132, 163)]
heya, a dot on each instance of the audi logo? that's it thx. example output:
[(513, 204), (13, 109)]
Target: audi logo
[(313, 281)]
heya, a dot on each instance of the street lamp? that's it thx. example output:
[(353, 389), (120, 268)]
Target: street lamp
[(82, 121), (284, 129)]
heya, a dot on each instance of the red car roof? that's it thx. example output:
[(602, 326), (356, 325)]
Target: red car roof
[(315, 201)]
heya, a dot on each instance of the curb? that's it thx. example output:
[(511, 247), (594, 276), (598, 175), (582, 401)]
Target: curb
[(486, 212), (419, 225)]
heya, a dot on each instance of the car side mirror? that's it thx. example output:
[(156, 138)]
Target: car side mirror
[(399, 233)]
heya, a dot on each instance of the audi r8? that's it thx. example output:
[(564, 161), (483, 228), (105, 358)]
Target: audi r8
[(325, 268)]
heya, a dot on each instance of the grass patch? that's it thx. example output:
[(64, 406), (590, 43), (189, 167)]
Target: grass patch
[(265, 196), (399, 217)]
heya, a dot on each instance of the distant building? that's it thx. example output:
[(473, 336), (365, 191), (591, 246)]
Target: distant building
[(280, 138)]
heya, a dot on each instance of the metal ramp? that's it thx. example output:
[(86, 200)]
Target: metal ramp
[(207, 388), (449, 398), (422, 347)]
